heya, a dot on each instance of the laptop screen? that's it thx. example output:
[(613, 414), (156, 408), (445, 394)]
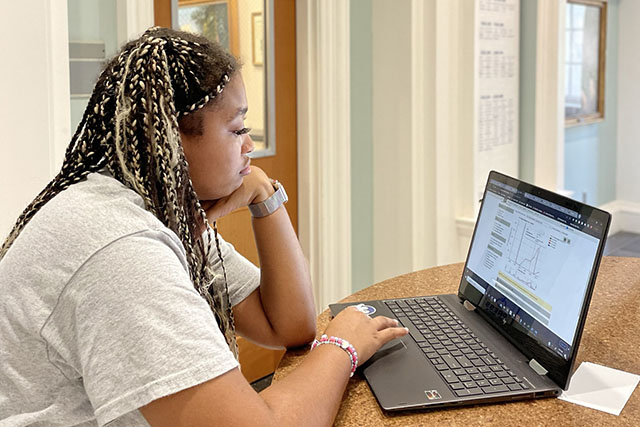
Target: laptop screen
[(531, 266)]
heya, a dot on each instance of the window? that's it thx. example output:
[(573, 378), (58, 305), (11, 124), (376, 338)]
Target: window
[(585, 40)]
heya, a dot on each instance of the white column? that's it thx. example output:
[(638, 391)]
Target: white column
[(454, 125), (324, 176), (393, 159), (422, 133), (549, 121), (423, 181)]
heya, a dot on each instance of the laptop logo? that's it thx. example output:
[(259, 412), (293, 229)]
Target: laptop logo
[(432, 394)]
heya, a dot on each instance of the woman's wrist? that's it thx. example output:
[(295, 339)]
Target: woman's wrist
[(263, 191), (341, 343)]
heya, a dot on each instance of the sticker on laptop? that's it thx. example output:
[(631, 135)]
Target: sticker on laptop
[(366, 309), (432, 394)]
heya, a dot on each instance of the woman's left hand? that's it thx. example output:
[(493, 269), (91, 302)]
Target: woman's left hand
[(255, 188)]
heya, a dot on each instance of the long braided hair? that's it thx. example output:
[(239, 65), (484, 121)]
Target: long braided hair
[(144, 96)]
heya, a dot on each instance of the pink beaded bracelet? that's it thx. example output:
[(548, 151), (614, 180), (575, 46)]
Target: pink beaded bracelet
[(343, 344)]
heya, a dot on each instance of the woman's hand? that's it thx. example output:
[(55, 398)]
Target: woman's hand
[(255, 188), (364, 333)]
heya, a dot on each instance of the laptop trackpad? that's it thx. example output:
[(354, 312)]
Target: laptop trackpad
[(398, 377), (390, 347)]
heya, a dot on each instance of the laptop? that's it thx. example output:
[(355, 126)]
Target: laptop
[(513, 329)]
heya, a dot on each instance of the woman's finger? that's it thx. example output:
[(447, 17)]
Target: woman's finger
[(383, 322), (386, 335)]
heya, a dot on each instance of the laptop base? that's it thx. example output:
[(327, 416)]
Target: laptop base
[(397, 376)]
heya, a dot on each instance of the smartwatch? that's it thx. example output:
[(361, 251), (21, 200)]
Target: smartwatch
[(271, 204)]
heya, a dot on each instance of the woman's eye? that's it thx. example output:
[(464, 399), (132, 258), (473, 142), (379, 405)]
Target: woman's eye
[(242, 131)]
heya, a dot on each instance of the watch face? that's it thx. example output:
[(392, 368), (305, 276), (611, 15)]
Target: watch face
[(285, 197)]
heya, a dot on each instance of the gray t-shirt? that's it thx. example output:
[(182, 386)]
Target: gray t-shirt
[(98, 316)]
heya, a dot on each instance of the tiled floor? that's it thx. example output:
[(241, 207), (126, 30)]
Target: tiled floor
[(619, 244), (623, 244)]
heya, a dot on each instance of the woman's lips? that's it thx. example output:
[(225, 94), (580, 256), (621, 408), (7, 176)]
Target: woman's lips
[(247, 169)]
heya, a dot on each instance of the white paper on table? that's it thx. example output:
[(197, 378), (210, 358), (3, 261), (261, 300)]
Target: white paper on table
[(599, 387)]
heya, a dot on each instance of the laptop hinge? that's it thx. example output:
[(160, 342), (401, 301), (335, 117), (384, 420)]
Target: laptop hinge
[(537, 367), (468, 305)]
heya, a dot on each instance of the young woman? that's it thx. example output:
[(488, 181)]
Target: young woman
[(120, 303)]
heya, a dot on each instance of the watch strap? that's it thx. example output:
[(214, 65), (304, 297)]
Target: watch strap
[(271, 204)]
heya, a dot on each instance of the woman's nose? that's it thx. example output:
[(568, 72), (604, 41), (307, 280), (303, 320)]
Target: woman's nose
[(247, 144)]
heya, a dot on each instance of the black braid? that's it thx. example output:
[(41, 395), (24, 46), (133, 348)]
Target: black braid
[(131, 127)]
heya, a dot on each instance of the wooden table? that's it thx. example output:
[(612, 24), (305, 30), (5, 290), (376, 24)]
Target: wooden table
[(611, 338)]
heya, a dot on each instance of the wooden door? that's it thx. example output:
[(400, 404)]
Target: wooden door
[(257, 362)]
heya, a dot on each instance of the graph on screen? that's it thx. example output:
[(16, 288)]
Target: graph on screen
[(524, 249)]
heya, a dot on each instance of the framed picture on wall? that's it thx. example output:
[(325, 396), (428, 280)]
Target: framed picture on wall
[(217, 20), (585, 41), (257, 38)]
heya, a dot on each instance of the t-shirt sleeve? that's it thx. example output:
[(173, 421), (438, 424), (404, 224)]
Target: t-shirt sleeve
[(134, 328), (243, 277)]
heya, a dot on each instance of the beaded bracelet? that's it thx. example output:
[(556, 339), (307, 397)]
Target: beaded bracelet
[(343, 344)]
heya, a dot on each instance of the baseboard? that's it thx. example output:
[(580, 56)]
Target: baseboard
[(625, 216)]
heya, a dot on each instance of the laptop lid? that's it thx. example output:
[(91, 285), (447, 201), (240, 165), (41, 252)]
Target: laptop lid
[(531, 269)]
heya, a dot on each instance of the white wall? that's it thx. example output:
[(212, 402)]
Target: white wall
[(34, 105), (628, 179), (324, 154)]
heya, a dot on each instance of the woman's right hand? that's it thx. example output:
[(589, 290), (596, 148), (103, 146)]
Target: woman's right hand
[(290, 401), (364, 333)]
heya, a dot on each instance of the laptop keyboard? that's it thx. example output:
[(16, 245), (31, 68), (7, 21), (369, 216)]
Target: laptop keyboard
[(466, 364)]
